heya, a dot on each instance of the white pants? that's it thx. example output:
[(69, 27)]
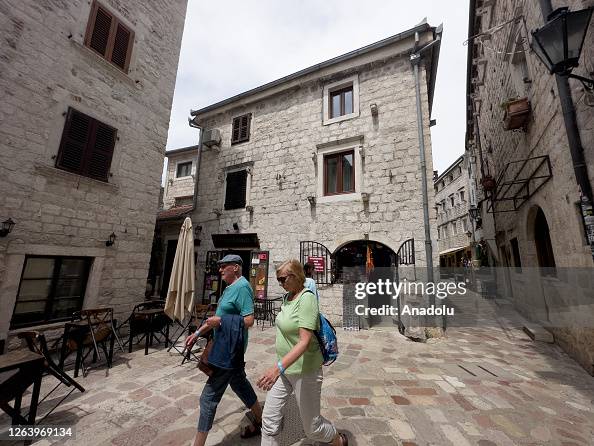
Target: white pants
[(308, 390)]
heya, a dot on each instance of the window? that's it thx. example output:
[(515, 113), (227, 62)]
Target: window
[(462, 195), (339, 173), (341, 102), (86, 147), (51, 289), (451, 201), (109, 37), (184, 169), (241, 128), (235, 189)]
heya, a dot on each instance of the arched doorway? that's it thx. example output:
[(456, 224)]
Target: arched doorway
[(542, 240), (367, 260)]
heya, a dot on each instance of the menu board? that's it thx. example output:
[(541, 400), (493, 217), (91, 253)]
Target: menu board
[(259, 273)]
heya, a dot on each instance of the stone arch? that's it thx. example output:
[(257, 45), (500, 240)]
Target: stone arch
[(538, 232)]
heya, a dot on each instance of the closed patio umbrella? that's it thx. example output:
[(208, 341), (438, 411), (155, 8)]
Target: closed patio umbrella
[(180, 295)]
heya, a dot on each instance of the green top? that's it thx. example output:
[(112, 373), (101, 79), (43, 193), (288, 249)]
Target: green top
[(300, 312), (237, 299)]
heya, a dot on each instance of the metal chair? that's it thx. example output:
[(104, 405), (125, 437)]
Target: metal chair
[(148, 320), (36, 343)]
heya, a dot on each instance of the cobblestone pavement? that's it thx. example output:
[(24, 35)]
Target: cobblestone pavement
[(487, 385)]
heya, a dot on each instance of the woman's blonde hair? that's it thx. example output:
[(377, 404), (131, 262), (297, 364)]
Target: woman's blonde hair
[(294, 267)]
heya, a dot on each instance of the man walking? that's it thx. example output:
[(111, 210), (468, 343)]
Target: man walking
[(237, 299)]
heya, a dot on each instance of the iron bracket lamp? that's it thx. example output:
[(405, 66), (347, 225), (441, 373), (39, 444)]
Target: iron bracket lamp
[(111, 240), (6, 228), (312, 200), (473, 212), (558, 44)]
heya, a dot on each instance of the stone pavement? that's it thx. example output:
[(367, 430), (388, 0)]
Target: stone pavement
[(487, 385)]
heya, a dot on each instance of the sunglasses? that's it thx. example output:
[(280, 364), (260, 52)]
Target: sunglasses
[(282, 279)]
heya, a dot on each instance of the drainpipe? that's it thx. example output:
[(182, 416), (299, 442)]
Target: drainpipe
[(193, 124), (573, 133), (415, 59)]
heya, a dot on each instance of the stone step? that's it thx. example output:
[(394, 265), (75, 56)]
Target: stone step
[(538, 333)]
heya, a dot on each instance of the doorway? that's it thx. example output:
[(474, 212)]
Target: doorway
[(169, 258)]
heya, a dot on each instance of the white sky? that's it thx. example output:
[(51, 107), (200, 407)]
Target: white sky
[(230, 46)]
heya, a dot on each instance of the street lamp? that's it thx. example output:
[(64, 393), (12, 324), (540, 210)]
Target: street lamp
[(6, 227), (558, 44), (473, 212)]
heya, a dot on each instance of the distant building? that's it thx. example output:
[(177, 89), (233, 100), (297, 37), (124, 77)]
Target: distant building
[(453, 198), (177, 204), (86, 93)]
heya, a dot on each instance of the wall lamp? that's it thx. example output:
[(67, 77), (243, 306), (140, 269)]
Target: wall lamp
[(197, 231), (365, 196), (111, 240), (312, 200), (6, 228)]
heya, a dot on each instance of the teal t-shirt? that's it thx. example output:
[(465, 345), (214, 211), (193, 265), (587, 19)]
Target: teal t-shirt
[(237, 299), (300, 312)]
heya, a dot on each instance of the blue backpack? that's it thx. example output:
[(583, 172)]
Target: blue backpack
[(327, 339)]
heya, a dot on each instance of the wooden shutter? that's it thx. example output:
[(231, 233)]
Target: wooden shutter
[(236, 190), (241, 128), (100, 151), (87, 146), (74, 141), (100, 26), (235, 132), (121, 47), (109, 37)]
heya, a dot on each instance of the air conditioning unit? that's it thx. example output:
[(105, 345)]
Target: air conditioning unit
[(211, 137)]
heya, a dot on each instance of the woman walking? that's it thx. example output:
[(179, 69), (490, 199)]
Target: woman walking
[(299, 366)]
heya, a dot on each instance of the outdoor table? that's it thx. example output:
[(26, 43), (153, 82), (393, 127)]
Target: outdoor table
[(23, 368), (150, 314), (268, 309)]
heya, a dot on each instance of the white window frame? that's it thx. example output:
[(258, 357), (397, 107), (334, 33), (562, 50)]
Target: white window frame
[(339, 85), (324, 150), (183, 162)]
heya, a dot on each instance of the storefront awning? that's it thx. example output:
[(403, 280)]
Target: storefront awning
[(235, 241), (450, 251)]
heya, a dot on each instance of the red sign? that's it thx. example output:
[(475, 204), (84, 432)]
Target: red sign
[(262, 256), (319, 263)]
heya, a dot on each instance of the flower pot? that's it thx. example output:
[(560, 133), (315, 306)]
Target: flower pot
[(488, 183), (517, 113)]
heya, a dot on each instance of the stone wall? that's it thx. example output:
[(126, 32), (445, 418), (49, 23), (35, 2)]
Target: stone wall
[(500, 77), (44, 69), (286, 135)]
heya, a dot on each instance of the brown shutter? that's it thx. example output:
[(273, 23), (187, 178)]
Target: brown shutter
[(121, 47), (101, 25), (100, 151), (244, 134), (74, 141), (235, 133)]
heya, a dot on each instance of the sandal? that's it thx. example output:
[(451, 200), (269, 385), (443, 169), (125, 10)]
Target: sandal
[(344, 440), (257, 427)]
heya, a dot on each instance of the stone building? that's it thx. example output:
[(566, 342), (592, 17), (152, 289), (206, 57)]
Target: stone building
[(86, 91), (453, 198), (177, 204), (520, 142), (322, 165)]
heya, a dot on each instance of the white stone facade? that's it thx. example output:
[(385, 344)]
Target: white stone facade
[(290, 135), (179, 189), (45, 68), (453, 198), (505, 67)]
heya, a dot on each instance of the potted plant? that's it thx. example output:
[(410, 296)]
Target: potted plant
[(517, 111), (488, 183)]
